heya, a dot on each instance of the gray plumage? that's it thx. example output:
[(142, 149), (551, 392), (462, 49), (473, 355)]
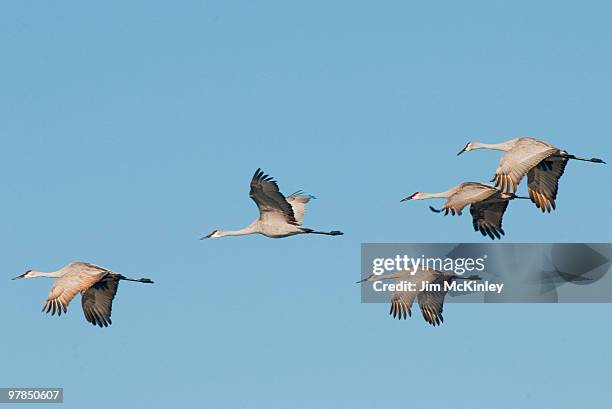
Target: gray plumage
[(97, 286), (487, 205), (279, 216), (542, 162), (431, 302)]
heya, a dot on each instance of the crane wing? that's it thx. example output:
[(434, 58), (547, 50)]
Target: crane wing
[(97, 301), (67, 287), (402, 300), (467, 193), (273, 206), (487, 216), (543, 182), (298, 202), (431, 303), (515, 163)]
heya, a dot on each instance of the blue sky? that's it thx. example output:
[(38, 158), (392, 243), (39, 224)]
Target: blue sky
[(129, 130)]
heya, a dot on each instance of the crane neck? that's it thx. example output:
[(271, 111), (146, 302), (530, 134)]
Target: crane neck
[(52, 274), (503, 146), (250, 229), (398, 274), (443, 195)]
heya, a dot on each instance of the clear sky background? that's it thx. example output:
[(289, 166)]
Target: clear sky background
[(130, 129)]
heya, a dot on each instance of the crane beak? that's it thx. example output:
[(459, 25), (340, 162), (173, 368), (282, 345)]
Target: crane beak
[(18, 277), (208, 236), (361, 281), (461, 151), (409, 197)]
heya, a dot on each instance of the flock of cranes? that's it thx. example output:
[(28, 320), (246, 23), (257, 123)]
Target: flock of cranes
[(543, 164), (281, 216)]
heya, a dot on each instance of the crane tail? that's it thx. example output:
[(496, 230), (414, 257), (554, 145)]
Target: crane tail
[(327, 233), (594, 160), (139, 280)]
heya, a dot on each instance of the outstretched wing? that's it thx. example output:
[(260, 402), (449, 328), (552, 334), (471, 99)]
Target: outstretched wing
[(401, 303), (515, 163), (431, 303), (273, 206), (402, 299), (543, 182), (67, 287), (97, 301), (298, 202), (487, 216), (432, 306), (467, 193)]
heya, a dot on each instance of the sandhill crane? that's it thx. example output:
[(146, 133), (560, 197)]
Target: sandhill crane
[(431, 301), (542, 162), (279, 216), (97, 286), (487, 205)]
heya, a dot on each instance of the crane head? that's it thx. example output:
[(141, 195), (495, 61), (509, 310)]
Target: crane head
[(214, 233), (468, 147), (24, 275), (414, 196), (368, 278)]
